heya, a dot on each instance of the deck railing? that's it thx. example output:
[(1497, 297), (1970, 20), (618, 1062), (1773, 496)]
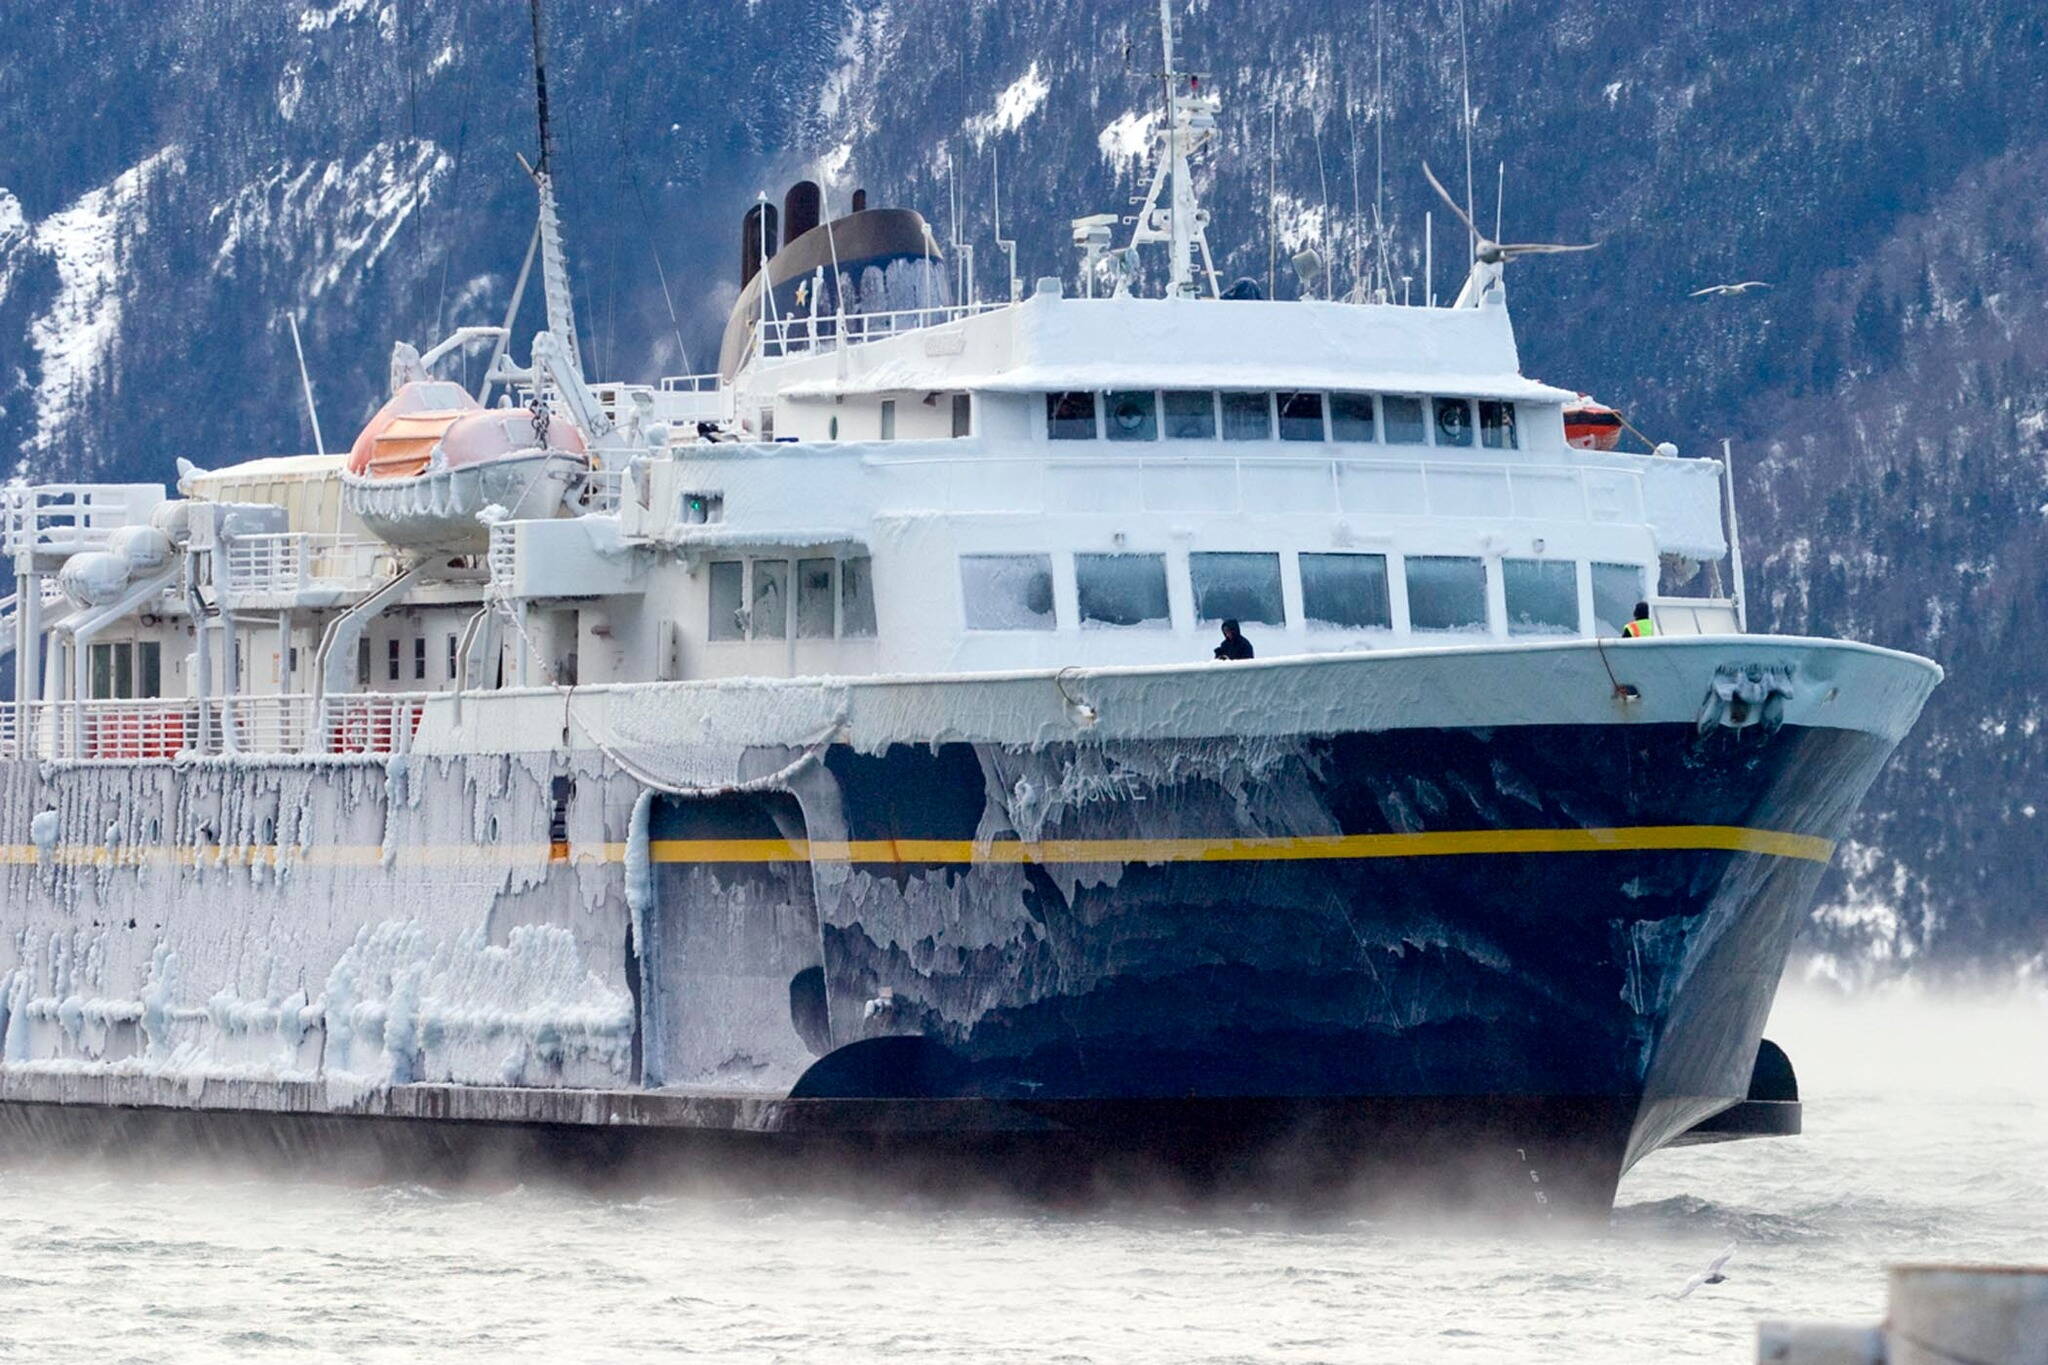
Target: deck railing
[(291, 562), (62, 519), (172, 727), (1268, 485), (801, 335)]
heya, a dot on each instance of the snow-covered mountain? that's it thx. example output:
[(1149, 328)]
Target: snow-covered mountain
[(176, 176)]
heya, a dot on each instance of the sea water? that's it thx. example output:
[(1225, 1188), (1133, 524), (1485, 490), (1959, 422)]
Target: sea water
[(1926, 1139)]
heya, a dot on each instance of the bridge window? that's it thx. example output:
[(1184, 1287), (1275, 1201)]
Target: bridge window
[(1237, 587), (1446, 592), (857, 597), (963, 415), (1453, 422), (1247, 416), (1301, 416), (1404, 420), (1497, 425), (1542, 596), (814, 599), (1351, 417), (1070, 416), (728, 600), (1007, 592), (1616, 590), (768, 616), (1348, 591), (888, 419), (1133, 416), (1122, 590), (1191, 416)]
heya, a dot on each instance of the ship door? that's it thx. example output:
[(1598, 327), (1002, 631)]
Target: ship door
[(732, 980)]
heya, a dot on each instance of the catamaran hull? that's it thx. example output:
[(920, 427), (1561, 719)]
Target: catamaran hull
[(1239, 926)]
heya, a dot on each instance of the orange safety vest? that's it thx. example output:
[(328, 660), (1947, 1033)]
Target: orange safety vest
[(1639, 630)]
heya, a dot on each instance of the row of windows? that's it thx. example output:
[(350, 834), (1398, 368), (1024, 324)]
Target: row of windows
[(752, 599), (402, 662), (1347, 591), (1201, 415)]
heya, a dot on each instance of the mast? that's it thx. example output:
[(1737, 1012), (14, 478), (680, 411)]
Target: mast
[(554, 264), (1180, 222)]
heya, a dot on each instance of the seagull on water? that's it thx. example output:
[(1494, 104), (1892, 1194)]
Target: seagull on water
[(1712, 1274), (1729, 291)]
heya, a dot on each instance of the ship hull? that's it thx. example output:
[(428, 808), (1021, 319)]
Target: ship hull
[(1476, 923)]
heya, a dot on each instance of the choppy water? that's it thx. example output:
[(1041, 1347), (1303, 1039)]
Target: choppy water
[(1927, 1139)]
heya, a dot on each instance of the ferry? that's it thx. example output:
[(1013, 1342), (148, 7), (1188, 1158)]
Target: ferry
[(830, 753)]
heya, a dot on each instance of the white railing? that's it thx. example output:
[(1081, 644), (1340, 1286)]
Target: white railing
[(689, 383), (1268, 486), (292, 562), (503, 559), (166, 728), (784, 336), (601, 490), (62, 519)]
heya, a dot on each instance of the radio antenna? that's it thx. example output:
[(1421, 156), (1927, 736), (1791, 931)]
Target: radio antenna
[(1003, 244), (306, 384), (1465, 82)]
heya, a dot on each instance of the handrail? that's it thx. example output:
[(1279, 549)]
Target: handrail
[(171, 727), (1518, 485), (297, 561), (780, 336)]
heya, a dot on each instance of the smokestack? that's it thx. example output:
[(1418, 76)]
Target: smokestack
[(757, 241), (860, 201), (801, 209)]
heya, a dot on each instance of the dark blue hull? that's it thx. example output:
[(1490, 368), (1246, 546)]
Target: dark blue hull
[(1529, 924)]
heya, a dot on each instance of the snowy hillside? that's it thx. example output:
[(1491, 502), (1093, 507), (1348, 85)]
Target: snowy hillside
[(177, 176)]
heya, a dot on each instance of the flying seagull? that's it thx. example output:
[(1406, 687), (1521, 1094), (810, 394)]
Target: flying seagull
[(1724, 291), (1712, 1274), (1492, 252)]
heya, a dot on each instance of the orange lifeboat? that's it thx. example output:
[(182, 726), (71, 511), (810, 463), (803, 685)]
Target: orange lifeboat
[(1591, 426), (433, 458)]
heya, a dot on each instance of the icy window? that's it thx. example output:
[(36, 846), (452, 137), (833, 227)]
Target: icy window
[(814, 599), (1497, 426), (419, 658), (1070, 416), (699, 509), (1446, 592), (1453, 422), (888, 419), (1247, 416), (1133, 416), (1301, 416), (362, 663), (1351, 417), (768, 619), (1347, 591), (149, 669), (1404, 420), (1122, 590), (1616, 590), (857, 597), (1007, 592), (963, 415), (390, 659), (1191, 416), (452, 645), (1239, 587), (1543, 596), (728, 600)]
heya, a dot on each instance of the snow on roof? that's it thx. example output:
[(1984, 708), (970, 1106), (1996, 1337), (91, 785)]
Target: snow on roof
[(1052, 344), (270, 467)]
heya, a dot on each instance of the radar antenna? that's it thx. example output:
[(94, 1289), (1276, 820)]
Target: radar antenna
[(1190, 125)]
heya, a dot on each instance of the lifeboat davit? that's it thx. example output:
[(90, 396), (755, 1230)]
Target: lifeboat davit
[(433, 457), (1591, 426)]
